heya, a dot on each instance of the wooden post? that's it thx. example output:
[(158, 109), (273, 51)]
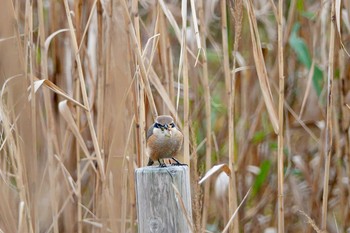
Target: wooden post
[(163, 200)]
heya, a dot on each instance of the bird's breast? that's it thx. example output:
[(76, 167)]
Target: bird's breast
[(163, 144)]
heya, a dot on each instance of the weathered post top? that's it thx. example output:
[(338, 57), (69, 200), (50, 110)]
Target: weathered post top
[(163, 199)]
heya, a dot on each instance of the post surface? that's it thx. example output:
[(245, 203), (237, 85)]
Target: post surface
[(161, 208)]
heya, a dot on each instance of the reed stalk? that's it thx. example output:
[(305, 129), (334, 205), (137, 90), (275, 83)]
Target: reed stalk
[(228, 84), (185, 78), (280, 158), (207, 97), (29, 75), (329, 113)]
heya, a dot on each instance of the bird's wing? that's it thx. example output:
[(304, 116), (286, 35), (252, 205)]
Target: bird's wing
[(150, 131)]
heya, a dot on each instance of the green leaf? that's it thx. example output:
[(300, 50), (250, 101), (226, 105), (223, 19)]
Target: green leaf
[(273, 146), (337, 74), (259, 137), (212, 56), (297, 172), (299, 46), (300, 5), (317, 80), (38, 55), (309, 15), (213, 227), (262, 176)]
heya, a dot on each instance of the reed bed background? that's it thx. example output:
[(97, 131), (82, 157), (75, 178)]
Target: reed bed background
[(259, 85)]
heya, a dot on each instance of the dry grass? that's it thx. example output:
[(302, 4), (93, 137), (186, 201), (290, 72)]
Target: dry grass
[(263, 88)]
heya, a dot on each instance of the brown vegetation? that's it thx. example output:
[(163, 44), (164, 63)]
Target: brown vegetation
[(260, 85)]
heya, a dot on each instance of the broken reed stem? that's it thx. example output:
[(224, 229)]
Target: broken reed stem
[(84, 93), (328, 136), (280, 118), (260, 66), (236, 211), (311, 222)]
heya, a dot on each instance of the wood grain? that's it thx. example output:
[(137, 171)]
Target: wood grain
[(163, 199)]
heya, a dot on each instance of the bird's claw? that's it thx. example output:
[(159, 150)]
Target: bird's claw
[(161, 164), (177, 163), (150, 162)]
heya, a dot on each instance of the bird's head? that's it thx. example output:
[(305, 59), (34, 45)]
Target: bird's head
[(165, 122)]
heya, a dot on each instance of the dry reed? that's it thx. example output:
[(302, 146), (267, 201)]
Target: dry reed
[(329, 129), (81, 81), (280, 154)]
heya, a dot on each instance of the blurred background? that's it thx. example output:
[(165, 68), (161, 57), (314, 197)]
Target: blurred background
[(81, 81)]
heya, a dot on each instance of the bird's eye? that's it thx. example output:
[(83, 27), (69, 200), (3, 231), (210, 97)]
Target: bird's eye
[(172, 125), (157, 125)]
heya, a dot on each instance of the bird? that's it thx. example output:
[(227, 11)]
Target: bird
[(164, 140)]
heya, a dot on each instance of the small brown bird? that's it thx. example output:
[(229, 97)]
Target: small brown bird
[(164, 140)]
